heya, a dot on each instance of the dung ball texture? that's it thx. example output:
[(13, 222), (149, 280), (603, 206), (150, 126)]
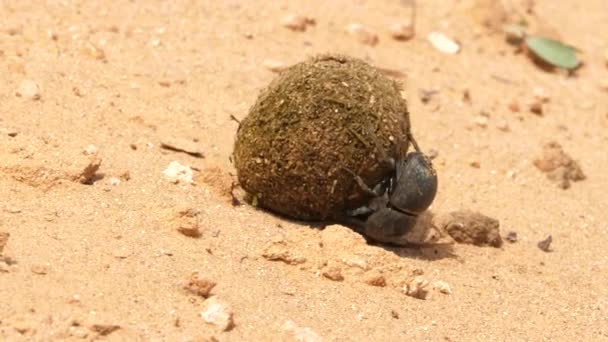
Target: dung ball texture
[(314, 122)]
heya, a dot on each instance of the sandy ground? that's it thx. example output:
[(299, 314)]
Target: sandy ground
[(106, 260)]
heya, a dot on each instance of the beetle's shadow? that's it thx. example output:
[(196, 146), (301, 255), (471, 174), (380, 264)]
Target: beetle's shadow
[(422, 251), (425, 228)]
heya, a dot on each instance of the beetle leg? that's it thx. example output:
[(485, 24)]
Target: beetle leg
[(388, 225), (377, 191)]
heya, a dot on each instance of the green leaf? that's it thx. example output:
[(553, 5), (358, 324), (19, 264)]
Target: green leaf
[(553, 52)]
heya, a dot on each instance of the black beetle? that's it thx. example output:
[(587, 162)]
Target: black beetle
[(408, 190)]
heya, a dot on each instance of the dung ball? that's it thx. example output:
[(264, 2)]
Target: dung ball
[(314, 123)]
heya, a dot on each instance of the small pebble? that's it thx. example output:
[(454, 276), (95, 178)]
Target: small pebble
[(402, 32), (376, 280), (301, 334), (333, 273), (511, 237), (541, 95), (503, 126), (474, 164), (113, 181), (28, 89), (514, 107), (432, 153), (199, 285), (91, 150), (273, 65), (40, 269), (218, 313), (545, 245), (363, 34), (442, 43), (416, 288), (94, 52), (297, 22), (104, 329), (177, 172), (536, 107), (442, 287), (9, 131), (481, 121)]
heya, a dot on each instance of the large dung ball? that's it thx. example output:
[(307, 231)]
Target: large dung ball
[(314, 122)]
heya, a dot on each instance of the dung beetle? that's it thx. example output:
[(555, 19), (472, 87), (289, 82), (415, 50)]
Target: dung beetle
[(395, 203)]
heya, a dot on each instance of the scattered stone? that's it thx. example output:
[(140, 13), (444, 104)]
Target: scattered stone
[(186, 222), (536, 107), (333, 273), (40, 269), (182, 145), (274, 65), (218, 313), (474, 164), (279, 251), (426, 95), (94, 52), (442, 287), (416, 288), (511, 237), (9, 131), (297, 22), (177, 173), (559, 166), (301, 334), (113, 181), (104, 329), (442, 43), (481, 121), (471, 228), (363, 34), (199, 285), (541, 95), (432, 153), (376, 280), (402, 32), (122, 252), (28, 89), (503, 125), (91, 150), (3, 240), (545, 245), (514, 107)]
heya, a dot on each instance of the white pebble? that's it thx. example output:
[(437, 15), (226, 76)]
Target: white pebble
[(91, 150), (442, 43), (218, 313), (363, 34), (177, 172), (28, 89), (442, 287)]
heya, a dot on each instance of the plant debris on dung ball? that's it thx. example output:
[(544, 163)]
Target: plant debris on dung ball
[(315, 121)]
